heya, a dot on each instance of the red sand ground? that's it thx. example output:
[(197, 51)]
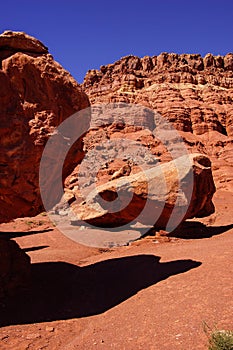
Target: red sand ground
[(154, 294)]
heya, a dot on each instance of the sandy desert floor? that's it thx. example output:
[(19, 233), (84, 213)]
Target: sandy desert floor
[(153, 294)]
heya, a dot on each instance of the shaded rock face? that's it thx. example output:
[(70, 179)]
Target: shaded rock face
[(160, 196), (36, 95), (15, 268)]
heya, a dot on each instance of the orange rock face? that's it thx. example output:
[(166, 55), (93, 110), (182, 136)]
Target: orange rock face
[(36, 95), (195, 94)]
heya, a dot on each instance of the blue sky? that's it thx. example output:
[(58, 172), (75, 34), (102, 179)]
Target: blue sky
[(86, 34)]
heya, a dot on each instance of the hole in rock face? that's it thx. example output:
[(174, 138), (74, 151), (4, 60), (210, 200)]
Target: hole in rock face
[(108, 195), (224, 131), (204, 161)]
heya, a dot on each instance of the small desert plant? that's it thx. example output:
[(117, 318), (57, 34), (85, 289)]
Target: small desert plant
[(219, 339), (29, 223)]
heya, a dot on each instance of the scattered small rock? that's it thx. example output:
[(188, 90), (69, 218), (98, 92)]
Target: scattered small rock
[(49, 329), (33, 336)]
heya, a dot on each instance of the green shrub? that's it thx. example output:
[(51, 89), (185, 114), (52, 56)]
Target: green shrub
[(219, 339)]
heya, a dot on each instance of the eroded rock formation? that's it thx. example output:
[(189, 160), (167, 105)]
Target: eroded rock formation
[(175, 191), (36, 95), (193, 92)]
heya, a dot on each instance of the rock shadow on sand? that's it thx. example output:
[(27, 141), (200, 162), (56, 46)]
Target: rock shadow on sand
[(198, 230), (61, 290), (15, 234)]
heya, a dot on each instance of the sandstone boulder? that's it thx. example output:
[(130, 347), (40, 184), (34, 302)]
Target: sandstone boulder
[(161, 196), (19, 41)]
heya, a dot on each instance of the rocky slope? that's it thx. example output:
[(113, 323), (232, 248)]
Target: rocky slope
[(194, 93), (36, 95)]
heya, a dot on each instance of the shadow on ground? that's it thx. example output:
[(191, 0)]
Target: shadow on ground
[(33, 249), (62, 291), (197, 230), (9, 235)]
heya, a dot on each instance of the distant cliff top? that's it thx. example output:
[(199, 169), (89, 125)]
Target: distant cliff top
[(170, 67), (194, 93)]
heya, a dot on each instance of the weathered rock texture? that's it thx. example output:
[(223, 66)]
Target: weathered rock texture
[(194, 93), (158, 192), (14, 268), (36, 95)]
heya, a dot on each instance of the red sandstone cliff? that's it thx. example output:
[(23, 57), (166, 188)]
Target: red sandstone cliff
[(36, 95), (194, 93)]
